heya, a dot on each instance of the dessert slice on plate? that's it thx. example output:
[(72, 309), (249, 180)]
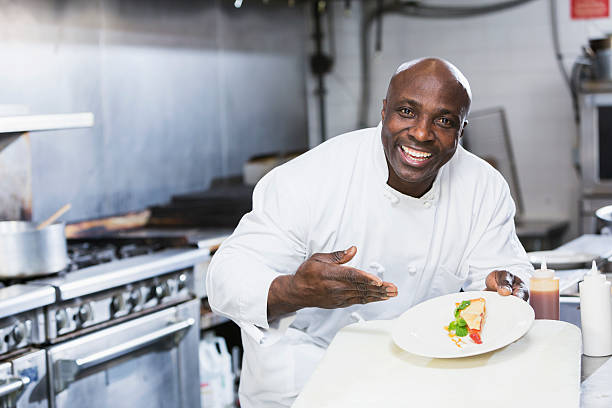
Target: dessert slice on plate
[(469, 319)]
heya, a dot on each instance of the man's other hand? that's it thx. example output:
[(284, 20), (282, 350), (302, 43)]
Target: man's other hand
[(505, 283)]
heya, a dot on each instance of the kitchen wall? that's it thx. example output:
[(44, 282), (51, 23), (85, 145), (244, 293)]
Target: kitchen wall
[(509, 60), (182, 92)]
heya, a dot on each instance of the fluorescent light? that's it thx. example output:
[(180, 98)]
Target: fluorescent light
[(238, 3)]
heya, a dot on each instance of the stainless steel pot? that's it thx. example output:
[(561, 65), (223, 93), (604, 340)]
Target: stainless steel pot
[(604, 219), (26, 251)]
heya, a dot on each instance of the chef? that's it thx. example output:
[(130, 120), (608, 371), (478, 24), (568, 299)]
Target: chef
[(365, 226)]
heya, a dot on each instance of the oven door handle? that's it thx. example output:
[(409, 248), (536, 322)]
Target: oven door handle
[(67, 370), (11, 389)]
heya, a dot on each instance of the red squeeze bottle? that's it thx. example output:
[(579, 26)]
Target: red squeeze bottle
[(544, 293)]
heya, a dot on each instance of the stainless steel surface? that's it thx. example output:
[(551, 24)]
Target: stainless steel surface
[(569, 310), (589, 142), (113, 274), (600, 53), (26, 251), (67, 370), (23, 381), (89, 310), (18, 298), (596, 382), (12, 385), (132, 364), (200, 278)]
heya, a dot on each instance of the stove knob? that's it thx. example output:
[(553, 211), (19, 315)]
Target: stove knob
[(162, 290), (117, 304), (85, 313), (135, 297), (182, 281), (61, 319), (19, 332)]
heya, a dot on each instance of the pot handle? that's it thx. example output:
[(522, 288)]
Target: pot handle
[(67, 370)]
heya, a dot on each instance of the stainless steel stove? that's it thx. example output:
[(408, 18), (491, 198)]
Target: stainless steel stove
[(118, 327)]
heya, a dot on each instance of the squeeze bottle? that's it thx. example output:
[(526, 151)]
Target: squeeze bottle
[(544, 293), (596, 314)]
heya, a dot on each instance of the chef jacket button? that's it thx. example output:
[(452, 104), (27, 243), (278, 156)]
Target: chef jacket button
[(377, 269), (391, 197), (427, 204), (412, 269)]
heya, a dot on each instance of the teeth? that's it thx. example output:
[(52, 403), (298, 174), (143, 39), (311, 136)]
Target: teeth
[(415, 153)]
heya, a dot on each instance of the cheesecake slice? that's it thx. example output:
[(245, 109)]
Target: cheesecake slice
[(474, 316)]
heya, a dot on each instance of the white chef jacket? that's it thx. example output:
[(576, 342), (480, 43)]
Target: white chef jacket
[(335, 196)]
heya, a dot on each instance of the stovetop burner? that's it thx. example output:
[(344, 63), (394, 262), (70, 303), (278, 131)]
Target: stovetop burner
[(84, 254)]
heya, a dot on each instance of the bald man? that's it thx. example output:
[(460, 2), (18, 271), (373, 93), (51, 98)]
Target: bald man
[(365, 226)]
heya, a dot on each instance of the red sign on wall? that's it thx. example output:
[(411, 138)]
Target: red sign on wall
[(590, 9)]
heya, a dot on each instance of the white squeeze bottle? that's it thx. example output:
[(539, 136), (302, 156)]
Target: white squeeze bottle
[(596, 314)]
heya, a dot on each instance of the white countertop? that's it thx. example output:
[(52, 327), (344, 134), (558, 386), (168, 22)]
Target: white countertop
[(364, 368)]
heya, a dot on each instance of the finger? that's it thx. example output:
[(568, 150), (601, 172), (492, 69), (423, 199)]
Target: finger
[(500, 281), (364, 290), (504, 281), (519, 289), (337, 257), (352, 276), (363, 300)]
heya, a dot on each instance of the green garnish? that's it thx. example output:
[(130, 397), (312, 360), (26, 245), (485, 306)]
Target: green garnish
[(459, 325), (461, 331)]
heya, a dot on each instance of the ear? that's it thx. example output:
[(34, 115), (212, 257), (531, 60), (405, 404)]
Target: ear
[(465, 123), (384, 108)]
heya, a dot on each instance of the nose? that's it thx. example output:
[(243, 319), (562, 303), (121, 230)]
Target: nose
[(421, 131)]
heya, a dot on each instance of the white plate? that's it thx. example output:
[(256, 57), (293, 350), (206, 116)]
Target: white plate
[(420, 330)]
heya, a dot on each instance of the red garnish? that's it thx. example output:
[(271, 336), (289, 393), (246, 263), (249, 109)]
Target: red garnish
[(475, 335)]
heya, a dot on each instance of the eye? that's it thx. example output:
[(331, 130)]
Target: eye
[(406, 112), (445, 122)]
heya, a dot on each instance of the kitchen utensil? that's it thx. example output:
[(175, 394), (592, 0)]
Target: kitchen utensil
[(26, 251), (420, 330), (362, 367), (54, 216), (604, 217), (559, 259)]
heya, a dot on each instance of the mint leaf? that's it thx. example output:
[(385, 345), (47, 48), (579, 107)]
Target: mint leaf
[(462, 306), (452, 325), (461, 322), (461, 331)]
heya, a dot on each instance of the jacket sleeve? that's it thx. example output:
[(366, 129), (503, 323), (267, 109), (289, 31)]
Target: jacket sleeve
[(268, 242), (496, 246)]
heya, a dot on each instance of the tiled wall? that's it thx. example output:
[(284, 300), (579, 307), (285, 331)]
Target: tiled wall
[(182, 92), (509, 60)]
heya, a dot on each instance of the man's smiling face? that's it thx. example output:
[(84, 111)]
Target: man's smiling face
[(423, 117)]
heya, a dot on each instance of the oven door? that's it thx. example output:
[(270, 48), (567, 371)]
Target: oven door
[(23, 381), (151, 361)]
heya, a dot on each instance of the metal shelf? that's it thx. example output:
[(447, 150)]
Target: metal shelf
[(30, 123)]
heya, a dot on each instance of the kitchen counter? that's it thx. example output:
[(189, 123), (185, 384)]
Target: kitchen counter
[(364, 362), (596, 372), (596, 378)]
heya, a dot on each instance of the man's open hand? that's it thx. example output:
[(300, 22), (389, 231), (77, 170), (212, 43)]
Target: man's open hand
[(505, 283), (323, 281)]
